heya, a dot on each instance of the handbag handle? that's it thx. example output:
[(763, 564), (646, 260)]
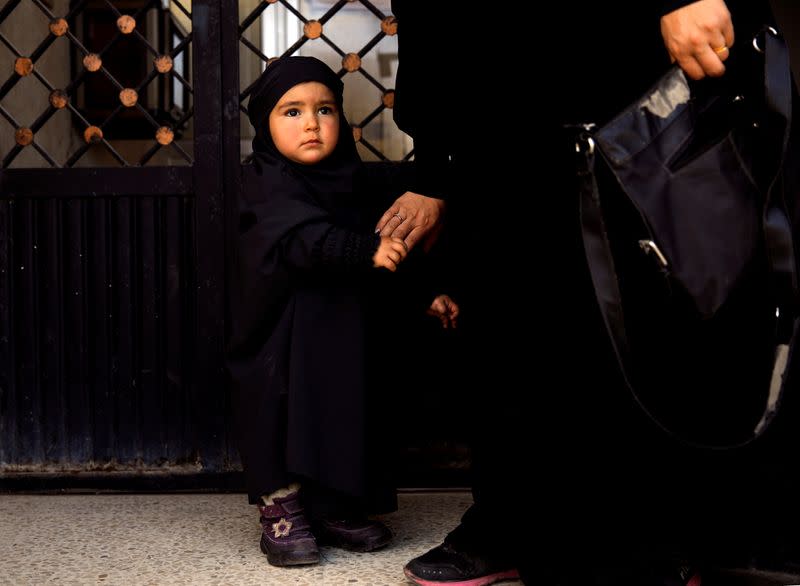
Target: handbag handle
[(777, 235)]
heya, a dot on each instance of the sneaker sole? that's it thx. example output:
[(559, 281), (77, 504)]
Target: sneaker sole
[(289, 558), (482, 581)]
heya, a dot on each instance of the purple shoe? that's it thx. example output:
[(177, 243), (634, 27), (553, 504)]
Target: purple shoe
[(286, 536)]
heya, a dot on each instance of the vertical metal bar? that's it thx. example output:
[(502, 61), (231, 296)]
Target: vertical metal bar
[(50, 297), (151, 428), (188, 284), (78, 402), (164, 41), (208, 392), (99, 346), (124, 308), (135, 389), (27, 404), (159, 378), (232, 166), (61, 401), (8, 421), (175, 400)]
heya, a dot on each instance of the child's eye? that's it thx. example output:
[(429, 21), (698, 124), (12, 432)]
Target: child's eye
[(293, 112), (326, 110)]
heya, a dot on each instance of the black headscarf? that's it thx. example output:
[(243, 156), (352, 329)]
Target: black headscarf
[(334, 175)]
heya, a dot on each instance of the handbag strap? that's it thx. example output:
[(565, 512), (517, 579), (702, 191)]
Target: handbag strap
[(777, 234), (777, 226)]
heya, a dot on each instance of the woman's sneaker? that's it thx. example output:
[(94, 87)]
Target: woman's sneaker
[(286, 535), (352, 534), (449, 565)]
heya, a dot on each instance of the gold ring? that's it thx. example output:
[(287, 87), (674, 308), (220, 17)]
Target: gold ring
[(402, 219), (720, 50)]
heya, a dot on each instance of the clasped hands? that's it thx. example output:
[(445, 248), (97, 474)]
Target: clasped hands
[(413, 219)]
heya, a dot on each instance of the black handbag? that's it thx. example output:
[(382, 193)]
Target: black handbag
[(690, 246)]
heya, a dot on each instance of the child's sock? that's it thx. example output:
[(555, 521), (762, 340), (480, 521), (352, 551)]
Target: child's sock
[(269, 499)]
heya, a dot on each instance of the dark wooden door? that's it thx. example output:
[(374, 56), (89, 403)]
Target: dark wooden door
[(112, 245)]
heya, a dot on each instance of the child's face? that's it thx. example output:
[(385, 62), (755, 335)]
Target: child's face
[(304, 124)]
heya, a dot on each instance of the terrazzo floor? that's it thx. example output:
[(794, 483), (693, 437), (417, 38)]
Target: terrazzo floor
[(193, 539), (212, 539)]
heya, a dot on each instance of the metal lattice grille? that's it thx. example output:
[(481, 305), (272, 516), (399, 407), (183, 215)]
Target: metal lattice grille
[(126, 99), (346, 34)]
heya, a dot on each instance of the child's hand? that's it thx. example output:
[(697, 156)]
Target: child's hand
[(390, 253), (445, 309)]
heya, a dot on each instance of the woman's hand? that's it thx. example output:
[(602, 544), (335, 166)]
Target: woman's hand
[(413, 218), (699, 37)]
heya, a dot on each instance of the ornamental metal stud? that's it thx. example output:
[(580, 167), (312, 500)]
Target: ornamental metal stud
[(59, 99), (163, 63), (92, 62), (23, 66), (351, 62), (389, 25), (312, 29), (164, 136), (126, 24), (356, 133), (59, 27), (23, 136), (128, 97), (388, 99), (92, 134)]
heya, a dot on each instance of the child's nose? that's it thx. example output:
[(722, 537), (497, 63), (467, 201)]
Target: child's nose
[(312, 123)]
